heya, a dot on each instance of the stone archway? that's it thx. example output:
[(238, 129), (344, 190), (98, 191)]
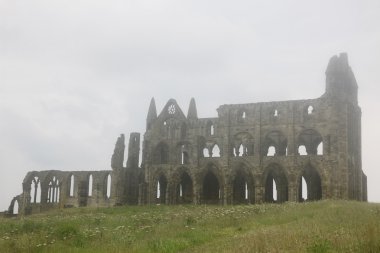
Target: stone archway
[(276, 184), (242, 188), (184, 189), (310, 142), (211, 189), (313, 188), (274, 144)]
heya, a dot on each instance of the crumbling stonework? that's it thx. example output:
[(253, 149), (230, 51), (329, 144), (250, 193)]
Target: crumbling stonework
[(251, 153)]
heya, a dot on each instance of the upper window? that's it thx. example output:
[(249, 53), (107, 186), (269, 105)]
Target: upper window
[(241, 115), (210, 128), (171, 109), (310, 110)]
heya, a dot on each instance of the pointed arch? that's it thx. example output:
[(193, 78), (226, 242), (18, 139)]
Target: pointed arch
[(243, 144), (215, 151), (184, 189), (311, 140), (313, 188), (276, 140), (53, 195), (243, 188), (276, 184), (212, 185)]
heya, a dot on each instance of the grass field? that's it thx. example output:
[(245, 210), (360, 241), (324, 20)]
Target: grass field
[(324, 226)]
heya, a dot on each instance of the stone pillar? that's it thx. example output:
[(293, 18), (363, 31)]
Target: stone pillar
[(293, 192), (259, 194)]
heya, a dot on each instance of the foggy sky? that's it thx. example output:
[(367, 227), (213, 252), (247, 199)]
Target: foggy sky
[(76, 74)]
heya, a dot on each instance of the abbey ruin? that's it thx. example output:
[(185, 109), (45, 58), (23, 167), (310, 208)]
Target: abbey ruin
[(300, 150)]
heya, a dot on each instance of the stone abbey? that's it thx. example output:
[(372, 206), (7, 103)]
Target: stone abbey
[(301, 150)]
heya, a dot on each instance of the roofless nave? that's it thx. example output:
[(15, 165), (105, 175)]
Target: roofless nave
[(251, 153)]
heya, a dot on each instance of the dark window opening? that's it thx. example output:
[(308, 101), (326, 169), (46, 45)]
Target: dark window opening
[(211, 189), (183, 131), (162, 154)]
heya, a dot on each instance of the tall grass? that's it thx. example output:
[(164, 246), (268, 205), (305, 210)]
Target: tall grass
[(324, 226)]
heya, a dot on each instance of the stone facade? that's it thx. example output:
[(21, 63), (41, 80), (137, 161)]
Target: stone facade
[(251, 153)]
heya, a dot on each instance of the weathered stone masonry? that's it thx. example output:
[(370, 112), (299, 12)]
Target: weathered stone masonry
[(251, 153)]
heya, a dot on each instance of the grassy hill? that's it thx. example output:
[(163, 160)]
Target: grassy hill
[(324, 226)]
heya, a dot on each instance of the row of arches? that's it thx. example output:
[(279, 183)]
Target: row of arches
[(211, 187), (242, 114), (161, 154), (309, 142), (74, 188)]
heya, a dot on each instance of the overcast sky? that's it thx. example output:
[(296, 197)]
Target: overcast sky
[(76, 74)]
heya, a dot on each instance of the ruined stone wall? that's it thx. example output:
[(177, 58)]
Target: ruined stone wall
[(300, 150), (45, 190), (240, 156), (243, 143)]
